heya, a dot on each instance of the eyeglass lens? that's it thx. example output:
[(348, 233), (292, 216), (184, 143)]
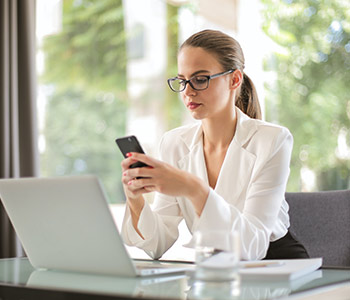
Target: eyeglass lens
[(197, 82)]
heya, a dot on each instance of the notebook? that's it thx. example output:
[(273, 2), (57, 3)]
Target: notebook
[(64, 223), (278, 270)]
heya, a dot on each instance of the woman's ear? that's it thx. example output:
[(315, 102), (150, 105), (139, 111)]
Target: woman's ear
[(236, 79)]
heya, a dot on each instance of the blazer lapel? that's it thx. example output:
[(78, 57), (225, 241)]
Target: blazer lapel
[(194, 161), (238, 164), (235, 173)]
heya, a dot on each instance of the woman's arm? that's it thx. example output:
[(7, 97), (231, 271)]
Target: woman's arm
[(154, 232), (159, 230), (134, 198)]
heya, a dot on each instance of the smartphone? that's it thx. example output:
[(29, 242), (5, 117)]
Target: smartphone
[(130, 144)]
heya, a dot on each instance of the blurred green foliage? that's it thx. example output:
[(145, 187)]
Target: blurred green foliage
[(85, 72), (308, 90), (173, 105)]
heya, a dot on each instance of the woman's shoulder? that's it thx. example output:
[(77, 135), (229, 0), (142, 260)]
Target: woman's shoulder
[(259, 136), (265, 128), (259, 129)]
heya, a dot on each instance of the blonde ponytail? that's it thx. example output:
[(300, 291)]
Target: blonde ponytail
[(247, 99)]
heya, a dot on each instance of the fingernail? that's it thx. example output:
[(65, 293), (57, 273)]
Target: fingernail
[(124, 174), (128, 154), (130, 182)]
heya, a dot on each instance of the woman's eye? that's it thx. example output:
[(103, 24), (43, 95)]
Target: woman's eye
[(199, 80)]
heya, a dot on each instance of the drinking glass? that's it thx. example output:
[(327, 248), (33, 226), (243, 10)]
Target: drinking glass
[(217, 255)]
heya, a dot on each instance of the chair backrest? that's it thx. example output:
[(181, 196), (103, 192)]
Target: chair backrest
[(321, 222)]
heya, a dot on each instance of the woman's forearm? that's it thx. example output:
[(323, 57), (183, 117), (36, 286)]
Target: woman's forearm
[(136, 206)]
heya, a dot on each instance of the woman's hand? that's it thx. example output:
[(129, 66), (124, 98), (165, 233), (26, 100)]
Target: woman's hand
[(163, 178), (131, 192), (158, 176), (134, 196)]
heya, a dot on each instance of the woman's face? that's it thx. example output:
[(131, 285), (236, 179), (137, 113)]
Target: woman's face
[(218, 98)]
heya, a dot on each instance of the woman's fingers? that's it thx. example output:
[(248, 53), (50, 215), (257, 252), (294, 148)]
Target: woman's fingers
[(150, 161), (138, 183), (127, 162), (135, 180), (139, 186), (144, 172), (157, 176), (135, 157)]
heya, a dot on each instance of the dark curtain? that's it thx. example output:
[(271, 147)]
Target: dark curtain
[(18, 126)]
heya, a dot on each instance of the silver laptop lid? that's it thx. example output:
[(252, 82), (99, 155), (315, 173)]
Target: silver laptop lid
[(65, 223)]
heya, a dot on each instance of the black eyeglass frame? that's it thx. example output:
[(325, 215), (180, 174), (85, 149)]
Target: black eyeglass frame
[(189, 80)]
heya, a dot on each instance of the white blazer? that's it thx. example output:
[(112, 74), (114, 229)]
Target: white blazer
[(248, 196)]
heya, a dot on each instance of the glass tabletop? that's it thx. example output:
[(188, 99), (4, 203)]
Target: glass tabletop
[(18, 272)]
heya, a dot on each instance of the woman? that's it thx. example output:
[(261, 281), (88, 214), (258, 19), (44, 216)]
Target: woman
[(227, 172)]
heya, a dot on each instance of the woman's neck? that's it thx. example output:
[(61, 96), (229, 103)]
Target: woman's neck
[(219, 132)]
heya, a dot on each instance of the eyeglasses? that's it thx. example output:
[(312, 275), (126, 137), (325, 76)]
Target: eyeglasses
[(198, 83)]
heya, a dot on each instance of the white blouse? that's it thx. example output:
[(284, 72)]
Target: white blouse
[(248, 196)]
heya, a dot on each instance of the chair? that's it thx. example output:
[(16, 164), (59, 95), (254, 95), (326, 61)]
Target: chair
[(321, 222)]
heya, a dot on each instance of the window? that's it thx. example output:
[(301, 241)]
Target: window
[(308, 88), (82, 92), (103, 67)]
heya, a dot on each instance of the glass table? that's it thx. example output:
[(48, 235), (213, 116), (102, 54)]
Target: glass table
[(19, 280)]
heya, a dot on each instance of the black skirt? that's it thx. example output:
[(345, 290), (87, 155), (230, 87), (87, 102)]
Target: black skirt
[(287, 247)]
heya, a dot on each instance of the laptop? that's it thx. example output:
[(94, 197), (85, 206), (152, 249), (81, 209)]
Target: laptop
[(64, 223)]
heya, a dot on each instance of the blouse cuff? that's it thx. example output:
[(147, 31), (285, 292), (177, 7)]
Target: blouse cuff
[(146, 224), (132, 238), (216, 214)]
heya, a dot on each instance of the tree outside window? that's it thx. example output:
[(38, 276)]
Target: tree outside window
[(309, 92)]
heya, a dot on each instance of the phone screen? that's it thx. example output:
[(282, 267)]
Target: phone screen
[(130, 144)]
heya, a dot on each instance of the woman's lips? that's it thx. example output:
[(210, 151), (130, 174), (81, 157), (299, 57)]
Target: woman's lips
[(193, 105)]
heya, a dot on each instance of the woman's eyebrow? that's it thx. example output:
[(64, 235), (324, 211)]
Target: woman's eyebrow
[(195, 73)]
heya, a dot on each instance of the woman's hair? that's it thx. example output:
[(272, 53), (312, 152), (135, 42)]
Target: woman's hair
[(230, 55)]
